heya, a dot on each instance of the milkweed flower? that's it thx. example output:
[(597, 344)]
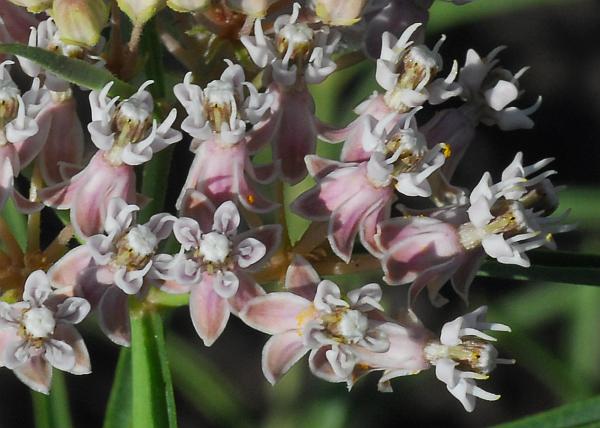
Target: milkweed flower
[(253, 8), (37, 334), (217, 119), (126, 135), (407, 71), (17, 124), (215, 262), (502, 220), (488, 92), (350, 337), (120, 262), (313, 317), (295, 55), (355, 197)]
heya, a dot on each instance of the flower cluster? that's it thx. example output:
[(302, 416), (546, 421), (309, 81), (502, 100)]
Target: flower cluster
[(213, 245)]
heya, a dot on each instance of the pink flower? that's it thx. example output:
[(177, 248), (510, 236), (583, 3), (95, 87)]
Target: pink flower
[(313, 317), (17, 118), (217, 119), (296, 55), (111, 266), (355, 197), (37, 334), (503, 220), (126, 136), (215, 262)]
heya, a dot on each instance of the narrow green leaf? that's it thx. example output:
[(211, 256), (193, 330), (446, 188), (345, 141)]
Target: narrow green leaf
[(580, 414), (71, 69), (118, 410), (153, 401), (557, 266), (201, 383), (52, 411), (17, 223)]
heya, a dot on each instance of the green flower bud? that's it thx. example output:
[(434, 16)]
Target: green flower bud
[(140, 11), (187, 5), (254, 8), (80, 22)]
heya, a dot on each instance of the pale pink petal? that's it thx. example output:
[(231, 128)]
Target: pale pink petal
[(433, 279), (196, 205), (301, 278), (319, 167), (36, 374), (66, 271), (60, 355), (321, 367), (113, 316), (368, 226), (269, 235), (227, 218), (277, 312), (280, 353), (208, 310), (248, 289), (68, 334), (37, 288), (24, 205), (249, 197), (174, 287), (464, 275), (72, 310)]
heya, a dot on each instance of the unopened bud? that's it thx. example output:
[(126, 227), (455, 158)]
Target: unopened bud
[(339, 12), (140, 11), (187, 5), (254, 8), (80, 22), (34, 6)]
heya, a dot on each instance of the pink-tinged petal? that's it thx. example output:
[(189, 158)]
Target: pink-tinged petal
[(6, 180), (37, 288), (337, 187), (464, 275), (17, 22), (263, 174), (174, 287), (113, 316), (161, 225), (261, 133), (93, 282), (249, 197), (280, 353), (227, 218), (345, 220), (66, 271), (368, 226), (72, 310), (433, 279), (188, 232), (208, 310), (319, 167), (24, 205), (248, 289), (64, 142), (197, 206), (61, 195), (297, 133), (36, 374), (60, 355), (321, 367), (69, 335), (277, 312), (29, 148), (301, 278), (225, 283)]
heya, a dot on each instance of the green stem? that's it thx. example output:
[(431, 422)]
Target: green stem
[(52, 411), (119, 408)]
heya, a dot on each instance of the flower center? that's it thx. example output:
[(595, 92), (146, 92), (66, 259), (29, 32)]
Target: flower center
[(347, 325), (215, 247), (9, 104), (294, 41), (132, 121), (39, 322), (220, 103), (135, 249), (473, 355)]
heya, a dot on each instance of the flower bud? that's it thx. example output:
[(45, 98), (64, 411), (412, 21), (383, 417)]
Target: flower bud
[(34, 6), (339, 12), (255, 8), (140, 11), (187, 5), (80, 21)]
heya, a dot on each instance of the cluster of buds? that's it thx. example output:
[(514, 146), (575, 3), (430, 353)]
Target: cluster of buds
[(228, 258)]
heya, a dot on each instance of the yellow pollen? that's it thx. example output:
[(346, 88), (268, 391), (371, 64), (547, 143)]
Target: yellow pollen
[(446, 150), (250, 199), (304, 316), (549, 237)]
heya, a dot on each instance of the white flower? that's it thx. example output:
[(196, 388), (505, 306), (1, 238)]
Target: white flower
[(294, 45), (407, 72)]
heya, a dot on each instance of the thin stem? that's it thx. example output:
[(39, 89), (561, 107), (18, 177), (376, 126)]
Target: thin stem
[(11, 244), (58, 246), (282, 217), (115, 51), (34, 219), (359, 263), (314, 236), (134, 41)]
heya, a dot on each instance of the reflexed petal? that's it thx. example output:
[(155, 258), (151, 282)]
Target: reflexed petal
[(280, 353), (277, 312), (301, 278), (208, 310), (113, 316), (36, 374), (269, 235), (225, 283), (71, 336), (321, 367), (249, 251), (66, 271), (197, 206), (188, 233), (247, 290), (60, 355), (73, 310)]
